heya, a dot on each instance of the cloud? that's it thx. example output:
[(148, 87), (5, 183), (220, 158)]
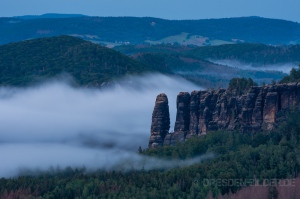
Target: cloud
[(55, 124), (34, 158)]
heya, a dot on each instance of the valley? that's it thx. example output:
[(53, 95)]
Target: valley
[(77, 93)]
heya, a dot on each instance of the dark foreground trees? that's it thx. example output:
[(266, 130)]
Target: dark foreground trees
[(237, 156)]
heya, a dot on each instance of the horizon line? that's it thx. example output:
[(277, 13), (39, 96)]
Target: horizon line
[(76, 15)]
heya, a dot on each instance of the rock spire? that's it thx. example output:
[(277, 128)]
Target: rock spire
[(203, 111), (160, 125)]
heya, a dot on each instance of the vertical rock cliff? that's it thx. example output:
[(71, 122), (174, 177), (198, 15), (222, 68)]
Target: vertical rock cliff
[(182, 120), (194, 114), (203, 111), (160, 121)]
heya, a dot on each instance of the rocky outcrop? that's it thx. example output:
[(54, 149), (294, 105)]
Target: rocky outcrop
[(182, 120), (194, 114), (203, 111), (160, 121)]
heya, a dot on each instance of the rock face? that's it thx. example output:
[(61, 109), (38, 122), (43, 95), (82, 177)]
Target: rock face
[(182, 120), (203, 111), (194, 114), (160, 121)]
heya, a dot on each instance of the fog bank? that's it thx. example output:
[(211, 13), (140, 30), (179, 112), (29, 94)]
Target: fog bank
[(55, 124), (285, 67)]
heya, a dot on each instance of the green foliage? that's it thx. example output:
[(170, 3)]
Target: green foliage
[(193, 63), (256, 54), (264, 155), (259, 55), (147, 48), (89, 64), (241, 85), (293, 77)]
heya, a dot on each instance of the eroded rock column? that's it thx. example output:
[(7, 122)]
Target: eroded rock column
[(183, 112), (194, 114), (160, 121), (257, 114), (182, 120), (204, 112)]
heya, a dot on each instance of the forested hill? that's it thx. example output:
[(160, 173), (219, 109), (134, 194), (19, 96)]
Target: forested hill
[(116, 30), (89, 64), (249, 53)]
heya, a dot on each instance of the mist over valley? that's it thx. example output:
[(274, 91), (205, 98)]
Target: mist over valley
[(144, 107), (57, 125)]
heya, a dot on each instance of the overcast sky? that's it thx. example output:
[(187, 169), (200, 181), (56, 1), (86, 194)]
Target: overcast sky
[(167, 9)]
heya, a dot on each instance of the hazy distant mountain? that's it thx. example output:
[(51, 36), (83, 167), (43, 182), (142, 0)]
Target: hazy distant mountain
[(257, 55), (203, 72), (50, 15), (112, 31), (89, 64)]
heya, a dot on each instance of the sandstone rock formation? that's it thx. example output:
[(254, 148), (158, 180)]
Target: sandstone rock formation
[(203, 111), (160, 121), (182, 120)]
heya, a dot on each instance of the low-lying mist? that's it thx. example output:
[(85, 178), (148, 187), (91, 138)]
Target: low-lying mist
[(55, 124), (285, 67)]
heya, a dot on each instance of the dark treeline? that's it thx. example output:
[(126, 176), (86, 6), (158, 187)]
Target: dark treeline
[(258, 55), (264, 155)]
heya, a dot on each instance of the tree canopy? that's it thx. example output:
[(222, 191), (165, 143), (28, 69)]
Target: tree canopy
[(264, 155), (294, 76), (241, 85)]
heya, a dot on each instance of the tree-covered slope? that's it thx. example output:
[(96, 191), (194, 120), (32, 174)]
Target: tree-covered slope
[(248, 158), (39, 59), (249, 53), (91, 64), (140, 30), (186, 62), (147, 48)]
